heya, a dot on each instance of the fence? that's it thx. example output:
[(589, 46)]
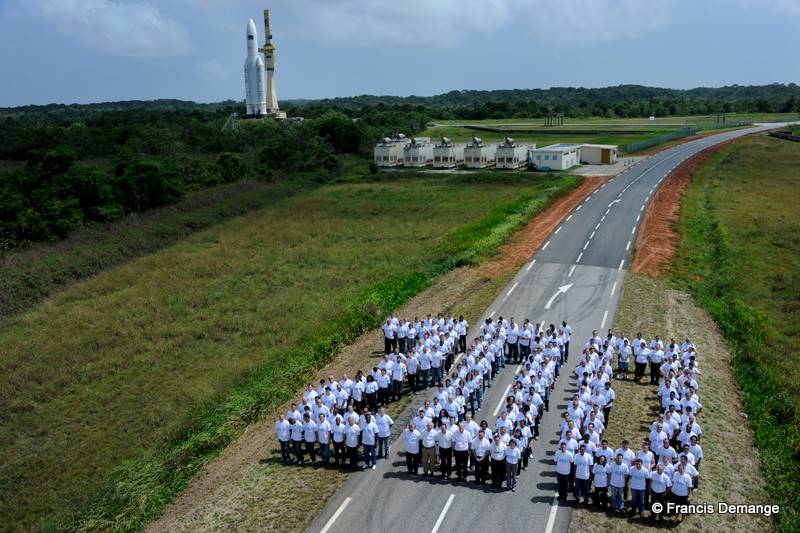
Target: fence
[(647, 143)]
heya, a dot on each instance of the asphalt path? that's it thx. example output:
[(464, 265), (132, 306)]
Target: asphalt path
[(577, 275)]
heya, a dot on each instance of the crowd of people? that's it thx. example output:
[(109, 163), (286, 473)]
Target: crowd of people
[(666, 466), (345, 422)]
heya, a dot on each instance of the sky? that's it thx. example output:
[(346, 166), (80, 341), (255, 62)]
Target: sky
[(80, 51)]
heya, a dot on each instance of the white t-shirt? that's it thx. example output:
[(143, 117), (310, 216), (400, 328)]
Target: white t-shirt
[(563, 462), (639, 477), (601, 475), (583, 465), (618, 473)]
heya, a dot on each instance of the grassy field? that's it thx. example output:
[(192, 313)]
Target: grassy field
[(652, 307), (117, 389), (739, 255)]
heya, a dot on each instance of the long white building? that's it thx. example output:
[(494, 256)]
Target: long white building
[(556, 156)]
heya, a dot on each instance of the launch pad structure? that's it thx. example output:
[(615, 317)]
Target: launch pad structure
[(261, 97)]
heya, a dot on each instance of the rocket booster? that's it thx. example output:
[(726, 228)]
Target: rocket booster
[(255, 88)]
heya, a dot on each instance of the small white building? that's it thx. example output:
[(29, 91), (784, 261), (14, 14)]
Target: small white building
[(555, 157), (599, 154), (477, 154), (389, 152), (448, 154), (512, 155), (418, 153)]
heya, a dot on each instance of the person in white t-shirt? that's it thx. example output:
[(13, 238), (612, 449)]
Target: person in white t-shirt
[(412, 439), (583, 462), (512, 459), (600, 474), (389, 336), (384, 423), (660, 483), (283, 429), (563, 460), (618, 480), (639, 479)]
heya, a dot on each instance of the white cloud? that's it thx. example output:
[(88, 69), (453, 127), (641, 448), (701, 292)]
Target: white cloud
[(119, 28), (445, 23), (439, 23)]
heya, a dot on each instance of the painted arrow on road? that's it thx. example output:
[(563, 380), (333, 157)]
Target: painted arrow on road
[(561, 290)]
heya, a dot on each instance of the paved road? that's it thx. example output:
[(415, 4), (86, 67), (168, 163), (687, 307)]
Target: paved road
[(586, 257)]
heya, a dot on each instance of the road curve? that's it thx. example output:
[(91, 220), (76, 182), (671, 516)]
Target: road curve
[(589, 252)]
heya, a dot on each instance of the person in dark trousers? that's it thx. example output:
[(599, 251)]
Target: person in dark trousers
[(461, 443), (412, 439), (497, 452), (445, 443), (563, 460)]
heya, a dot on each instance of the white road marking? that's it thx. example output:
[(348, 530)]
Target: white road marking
[(579, 207), (579, 257), (641, 208), (633, 230), (638, 217), (329, 523), (613, 288), (620, 264), (608, 210), (502, 400), (597, 226), (530, 265), (603, 322), (592, 235), (557, 230), (603, 218), (571, 270), (551, 519), (563, 289), (514, 286), (545, 245), (628, 246), (615, 201), (585, 246), (439, 521), (569, 217), (491, 314)]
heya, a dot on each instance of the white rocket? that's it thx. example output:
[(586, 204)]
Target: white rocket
[(255, 90)]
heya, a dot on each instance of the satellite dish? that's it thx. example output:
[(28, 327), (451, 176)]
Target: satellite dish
[(445, 140)]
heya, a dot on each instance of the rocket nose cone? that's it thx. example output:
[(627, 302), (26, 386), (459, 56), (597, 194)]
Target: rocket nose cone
[(251, 27)]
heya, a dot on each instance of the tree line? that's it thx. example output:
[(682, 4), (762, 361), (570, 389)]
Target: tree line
[(125, 161)]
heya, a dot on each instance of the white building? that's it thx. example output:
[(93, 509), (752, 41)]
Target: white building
[(556, 156), (389, 152), (479, 155), (418, 153), (448, 154), (599, 154), (512, 155)]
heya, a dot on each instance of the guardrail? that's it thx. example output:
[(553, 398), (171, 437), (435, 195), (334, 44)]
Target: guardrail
[(648, 143)]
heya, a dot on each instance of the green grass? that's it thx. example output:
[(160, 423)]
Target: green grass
[(739, 255), (118, 389), (621, 123)]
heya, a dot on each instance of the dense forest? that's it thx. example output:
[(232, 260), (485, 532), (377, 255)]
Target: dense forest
[(95, 163)]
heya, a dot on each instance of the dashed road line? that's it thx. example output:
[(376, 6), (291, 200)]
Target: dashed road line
[(585, 246), (621, 263), (571, 270), (569, 217), (329, 523), (557, 230), (439, 521), (530, 265), (603, 322), (514, 286), (613, 288), (579, 257), (545, 246), (628, 246)]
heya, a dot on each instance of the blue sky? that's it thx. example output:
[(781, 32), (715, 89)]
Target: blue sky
[(100, 50)]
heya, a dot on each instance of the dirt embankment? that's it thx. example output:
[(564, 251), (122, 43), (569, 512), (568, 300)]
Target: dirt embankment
[(245, 487), (655, 244)]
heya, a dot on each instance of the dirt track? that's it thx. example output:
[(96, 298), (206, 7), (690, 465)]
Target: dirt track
[(245, 489), (655, 244)]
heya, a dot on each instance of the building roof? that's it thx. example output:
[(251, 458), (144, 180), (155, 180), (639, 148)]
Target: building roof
[(611, 146), (561, 147)]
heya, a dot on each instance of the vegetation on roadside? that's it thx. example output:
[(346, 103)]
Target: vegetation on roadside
[(126, 384), (739, 256)]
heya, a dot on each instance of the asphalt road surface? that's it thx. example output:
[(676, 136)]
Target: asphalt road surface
[(577, 275)]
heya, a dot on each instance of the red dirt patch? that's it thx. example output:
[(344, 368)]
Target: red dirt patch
[(657, 238), (527, 240)]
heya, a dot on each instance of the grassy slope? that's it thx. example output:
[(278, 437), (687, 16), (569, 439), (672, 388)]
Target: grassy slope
[(464, 134), (739, 255), (146, 352), (651, 306)]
